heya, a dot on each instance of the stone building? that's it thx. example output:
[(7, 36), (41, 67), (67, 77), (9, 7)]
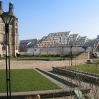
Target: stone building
[(13, 32)]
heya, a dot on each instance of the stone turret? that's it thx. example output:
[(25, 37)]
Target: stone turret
[(11, 7), (1, 7)]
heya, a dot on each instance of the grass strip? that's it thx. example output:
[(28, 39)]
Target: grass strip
[(23, 80), (91, 68)]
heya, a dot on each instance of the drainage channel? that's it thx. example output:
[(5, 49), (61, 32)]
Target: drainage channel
[(70, 87), (64, 82)]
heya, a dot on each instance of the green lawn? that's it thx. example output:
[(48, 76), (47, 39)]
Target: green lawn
[(23, 80), (96, 60), (91, 68)]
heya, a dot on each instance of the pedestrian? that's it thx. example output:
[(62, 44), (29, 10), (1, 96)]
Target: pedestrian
[(37, 97)]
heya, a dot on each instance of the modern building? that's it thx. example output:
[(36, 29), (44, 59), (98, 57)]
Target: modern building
[(62, 39), (24, 44), (13, 32), (58, 43)]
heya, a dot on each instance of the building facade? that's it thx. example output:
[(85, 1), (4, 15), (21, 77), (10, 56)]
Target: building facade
[(62, 39), (13, 33), (25, 44)]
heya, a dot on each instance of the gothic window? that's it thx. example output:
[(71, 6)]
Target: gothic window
[(3, 28), (16, 24), (16, 48), (10, 30), (3, 47), (16, 30), (9, 38), (3, 38), (16, 39)]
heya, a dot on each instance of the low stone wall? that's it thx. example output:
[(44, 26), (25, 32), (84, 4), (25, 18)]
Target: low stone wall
[(48, 94), (77, 75)]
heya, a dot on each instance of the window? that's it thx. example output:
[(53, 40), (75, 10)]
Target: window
[(16, 39), (10, 30), (1, 20), (10, 38), (3, 47), (3, 38), (16, 31), (3, 28), (16, 47)]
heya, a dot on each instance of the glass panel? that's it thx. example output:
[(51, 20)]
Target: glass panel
[(6, 18)]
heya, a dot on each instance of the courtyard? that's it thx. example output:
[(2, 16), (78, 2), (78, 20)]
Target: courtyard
[(44, 65)]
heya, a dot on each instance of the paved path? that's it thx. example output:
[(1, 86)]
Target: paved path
[(45, 65)]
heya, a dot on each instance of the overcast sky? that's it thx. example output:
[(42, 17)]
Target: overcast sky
[(38, 18)]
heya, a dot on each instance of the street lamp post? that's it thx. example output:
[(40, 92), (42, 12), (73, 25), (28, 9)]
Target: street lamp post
[(71, 53), (7, 18), (33, 51), (62, 53)]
